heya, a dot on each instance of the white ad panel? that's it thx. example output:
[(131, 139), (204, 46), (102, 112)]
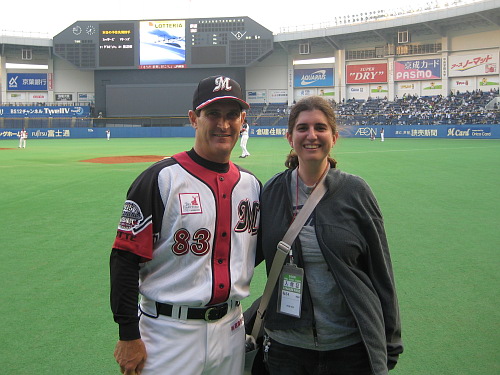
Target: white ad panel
[(328, 93), (432, 88), (480, 63), (408, 88), (488, 83), (256, 96), (302, 93), (460, 85), (379, 91), (38, 97), (358, 92), (86, 97), (19, 97), (278, 96)]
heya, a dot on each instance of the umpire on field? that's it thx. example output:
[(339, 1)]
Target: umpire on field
[(186, 244)]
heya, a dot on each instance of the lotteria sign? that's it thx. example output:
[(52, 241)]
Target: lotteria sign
[(322, 77)]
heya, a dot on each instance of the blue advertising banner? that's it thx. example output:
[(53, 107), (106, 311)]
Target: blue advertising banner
[(37, 133), (27, 82), (44, 111), (392, 131), (313, 77), (489, 131), (100, 133)]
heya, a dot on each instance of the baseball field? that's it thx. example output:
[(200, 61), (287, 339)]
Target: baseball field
[(59, 212)]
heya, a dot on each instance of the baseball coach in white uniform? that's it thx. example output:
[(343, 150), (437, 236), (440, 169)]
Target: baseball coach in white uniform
[(186, 244)]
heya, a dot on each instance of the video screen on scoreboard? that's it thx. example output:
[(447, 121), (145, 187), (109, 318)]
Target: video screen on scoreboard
[(116, 44), (162, 44)]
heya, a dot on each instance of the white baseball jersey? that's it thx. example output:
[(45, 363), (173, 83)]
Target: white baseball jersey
[(195, 228), (244, 130)]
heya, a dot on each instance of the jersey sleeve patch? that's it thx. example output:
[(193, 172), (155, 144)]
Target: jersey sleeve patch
[(132, 219), (134, 232)]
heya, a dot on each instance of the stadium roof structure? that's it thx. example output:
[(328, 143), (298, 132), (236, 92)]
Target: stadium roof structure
[(370, 28), (365, 29), (25, 39)]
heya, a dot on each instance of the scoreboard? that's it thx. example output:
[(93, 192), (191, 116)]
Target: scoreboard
[(164, 43)]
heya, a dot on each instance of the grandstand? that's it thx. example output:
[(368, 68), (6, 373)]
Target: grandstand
[(475, 107), (431, 66)]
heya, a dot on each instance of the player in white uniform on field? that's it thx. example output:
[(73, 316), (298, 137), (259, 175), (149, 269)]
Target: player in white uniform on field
[(245, 132), (23, 136), (186, 243)]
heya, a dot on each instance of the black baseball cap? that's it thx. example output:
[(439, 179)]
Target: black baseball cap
[(215, 88)]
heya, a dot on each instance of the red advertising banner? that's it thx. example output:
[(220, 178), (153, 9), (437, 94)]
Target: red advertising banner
[(366, 73), (50, 83)]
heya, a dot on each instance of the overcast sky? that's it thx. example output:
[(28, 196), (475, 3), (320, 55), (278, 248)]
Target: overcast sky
[(53, 16)]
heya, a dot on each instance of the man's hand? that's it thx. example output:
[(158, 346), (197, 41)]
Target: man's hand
[(131, 356)]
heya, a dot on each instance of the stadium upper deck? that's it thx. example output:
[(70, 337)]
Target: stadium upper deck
[(431, 52)]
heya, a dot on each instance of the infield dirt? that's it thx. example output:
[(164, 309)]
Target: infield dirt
[(125, 159)]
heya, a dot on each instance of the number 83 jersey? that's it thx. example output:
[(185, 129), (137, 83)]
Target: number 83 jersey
[(194, 223)]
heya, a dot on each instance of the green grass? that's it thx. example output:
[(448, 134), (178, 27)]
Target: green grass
[(440, 200)]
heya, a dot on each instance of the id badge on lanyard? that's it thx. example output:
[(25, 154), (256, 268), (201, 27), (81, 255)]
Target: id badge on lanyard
[(290, 290)]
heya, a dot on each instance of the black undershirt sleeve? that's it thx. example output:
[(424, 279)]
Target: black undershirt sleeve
[(124, 277)]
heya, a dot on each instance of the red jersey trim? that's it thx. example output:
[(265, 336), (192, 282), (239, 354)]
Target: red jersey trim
[(221, 185)]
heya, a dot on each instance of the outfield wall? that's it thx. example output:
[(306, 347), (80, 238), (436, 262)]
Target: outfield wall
[(390, 131)]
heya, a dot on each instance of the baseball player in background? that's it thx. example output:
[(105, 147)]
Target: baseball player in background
[(245, 131), (23, 136), (186, 243)]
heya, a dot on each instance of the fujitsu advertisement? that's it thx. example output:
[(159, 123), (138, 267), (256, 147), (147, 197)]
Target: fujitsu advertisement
[(366, 73), (414, 70)]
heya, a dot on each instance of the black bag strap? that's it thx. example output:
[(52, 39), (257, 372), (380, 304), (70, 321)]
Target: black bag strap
[(283, 249)]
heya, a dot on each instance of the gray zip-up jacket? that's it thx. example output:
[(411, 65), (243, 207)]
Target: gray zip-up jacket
[(351, 235)]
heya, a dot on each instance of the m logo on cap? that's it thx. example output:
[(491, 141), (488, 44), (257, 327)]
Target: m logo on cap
[(215, 88), (222, 83)]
